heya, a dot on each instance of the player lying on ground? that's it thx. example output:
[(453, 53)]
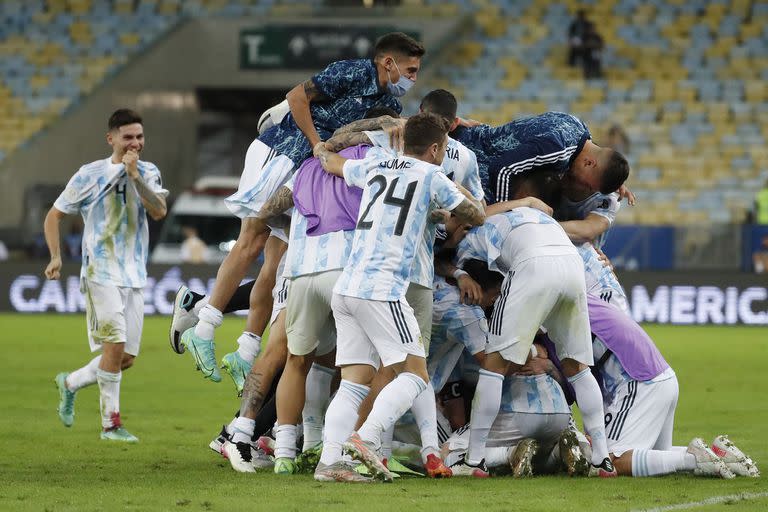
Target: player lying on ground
[(113, 196)]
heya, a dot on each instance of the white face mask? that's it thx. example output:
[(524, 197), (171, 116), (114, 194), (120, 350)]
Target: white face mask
[(400, 87)]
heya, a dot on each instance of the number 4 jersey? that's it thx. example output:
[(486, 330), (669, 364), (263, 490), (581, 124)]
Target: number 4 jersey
[(115, 235), (398, 192)]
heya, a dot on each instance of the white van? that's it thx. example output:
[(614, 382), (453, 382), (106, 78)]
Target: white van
[(202, 208)]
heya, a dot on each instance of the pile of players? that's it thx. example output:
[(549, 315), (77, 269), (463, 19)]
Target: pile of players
[(411, 263)]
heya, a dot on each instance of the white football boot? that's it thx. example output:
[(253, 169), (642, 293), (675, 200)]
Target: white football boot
[(707, 463), (739, 463)]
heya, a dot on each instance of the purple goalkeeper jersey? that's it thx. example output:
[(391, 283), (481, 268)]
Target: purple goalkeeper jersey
[(328, 203)]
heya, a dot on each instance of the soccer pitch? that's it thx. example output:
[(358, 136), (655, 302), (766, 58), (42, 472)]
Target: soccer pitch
[(175, 413)]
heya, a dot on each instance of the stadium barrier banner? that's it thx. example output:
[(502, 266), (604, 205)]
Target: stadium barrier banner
[(307, 46), (686, 298)]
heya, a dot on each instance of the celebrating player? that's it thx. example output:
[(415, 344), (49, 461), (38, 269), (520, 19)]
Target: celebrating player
[(374, 322), (341, 93), (113, 196)]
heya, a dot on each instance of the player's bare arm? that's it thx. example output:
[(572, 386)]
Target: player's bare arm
[(346, 140), (470, 211), (299, 99), (586, 230), (52, 239), (506, 206), (376, 123), (153, 203), (333, 163), (277, 204)]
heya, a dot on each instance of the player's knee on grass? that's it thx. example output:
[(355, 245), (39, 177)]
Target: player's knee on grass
[(623, 464)]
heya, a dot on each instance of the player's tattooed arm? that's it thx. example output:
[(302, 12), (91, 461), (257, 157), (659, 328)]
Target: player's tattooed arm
[(470, 211), (277, 204), (154, 203), (376, 123), (333, 163), (299, 99), (346, 140)]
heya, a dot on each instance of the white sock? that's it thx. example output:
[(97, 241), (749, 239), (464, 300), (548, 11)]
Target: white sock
[(590, 402), (109, 398), (657, 462), (199, 305), (241, 429), (497, 457), (318, 391), (425, 412), (285, 441), (340, 419), (392, 402), (210, 319), (84, 376), (386, 442), (485, 408), (250, 346)]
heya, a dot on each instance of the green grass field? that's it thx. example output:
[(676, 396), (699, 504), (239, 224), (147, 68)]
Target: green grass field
[(43, 466)]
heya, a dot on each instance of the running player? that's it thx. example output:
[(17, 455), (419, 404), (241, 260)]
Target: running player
[(342, 93), (544, 285), (374, 322), (113, 196)]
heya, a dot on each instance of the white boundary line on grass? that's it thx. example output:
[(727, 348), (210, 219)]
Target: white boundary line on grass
[(714, 500)]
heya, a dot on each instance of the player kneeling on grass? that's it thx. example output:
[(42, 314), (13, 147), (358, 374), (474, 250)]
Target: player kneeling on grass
[(373, 321), (640, 393), (114, 196)]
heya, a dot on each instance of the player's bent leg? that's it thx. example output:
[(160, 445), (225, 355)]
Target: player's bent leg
[(485, 408), (696, 458), (590, 401), (199, 340), (339, 424)]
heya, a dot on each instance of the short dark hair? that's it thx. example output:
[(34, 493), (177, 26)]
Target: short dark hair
[(615, 174), (377, 111), (479, 271), (423, 130), (122, 117), (398, 42), (440, 102)]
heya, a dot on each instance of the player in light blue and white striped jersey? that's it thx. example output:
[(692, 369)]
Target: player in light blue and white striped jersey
[(113, 196), (375, 324), (587, 217)]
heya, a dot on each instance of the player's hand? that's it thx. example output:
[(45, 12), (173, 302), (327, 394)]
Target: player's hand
[(396, 137), (535, 366), (439, 216), (131, 159), (468, 123), (53, 270), (535, 202), (625, 192), (601, 257), (319, 148), (471, 292)]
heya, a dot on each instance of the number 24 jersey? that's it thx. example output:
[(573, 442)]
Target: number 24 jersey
[(398, 194)]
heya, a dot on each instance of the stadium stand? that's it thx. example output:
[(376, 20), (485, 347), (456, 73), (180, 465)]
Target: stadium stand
[(685, 79)]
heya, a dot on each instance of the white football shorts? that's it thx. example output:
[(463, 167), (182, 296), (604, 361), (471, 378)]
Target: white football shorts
[(115, 314), (309, 322)]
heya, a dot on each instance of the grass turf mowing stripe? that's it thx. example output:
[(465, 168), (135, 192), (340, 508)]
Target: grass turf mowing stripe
[(714, 500)]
